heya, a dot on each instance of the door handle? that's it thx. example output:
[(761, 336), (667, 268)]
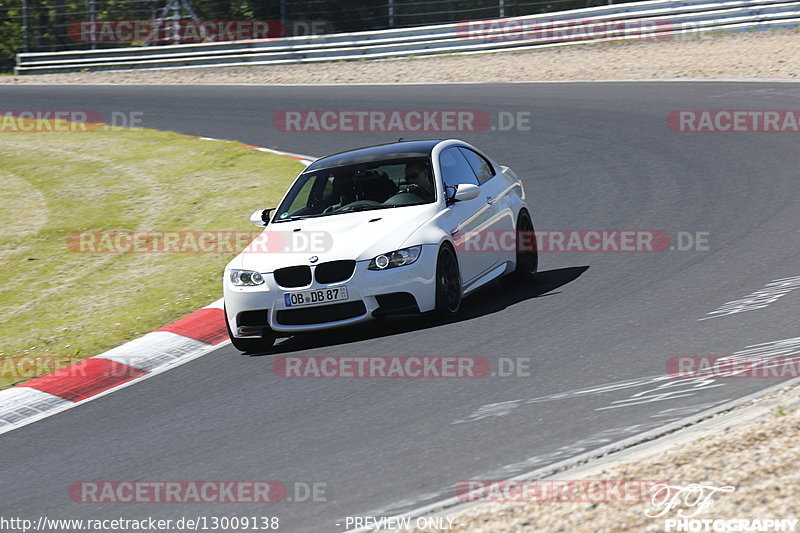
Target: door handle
[(489, 199)]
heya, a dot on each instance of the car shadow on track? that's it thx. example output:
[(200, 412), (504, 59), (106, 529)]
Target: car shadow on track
[(476, 305)]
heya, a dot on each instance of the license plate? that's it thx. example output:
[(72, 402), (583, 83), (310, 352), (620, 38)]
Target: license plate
[(318, 296)]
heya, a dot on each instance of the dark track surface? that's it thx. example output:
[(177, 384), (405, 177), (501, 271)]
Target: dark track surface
[(598, 156)]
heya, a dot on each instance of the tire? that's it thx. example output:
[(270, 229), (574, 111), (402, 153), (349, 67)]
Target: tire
[(527, 250), (251, 345), (448, 284)]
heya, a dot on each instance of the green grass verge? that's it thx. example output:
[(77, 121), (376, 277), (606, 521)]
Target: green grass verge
[(59, 306)]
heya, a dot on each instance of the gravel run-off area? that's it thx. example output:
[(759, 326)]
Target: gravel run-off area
[(759, 54), (756, 463)]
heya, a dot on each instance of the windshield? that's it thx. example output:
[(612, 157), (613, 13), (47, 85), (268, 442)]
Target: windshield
[(359, 187)]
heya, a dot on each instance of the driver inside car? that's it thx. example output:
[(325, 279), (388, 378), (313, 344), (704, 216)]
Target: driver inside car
[(418, 180)]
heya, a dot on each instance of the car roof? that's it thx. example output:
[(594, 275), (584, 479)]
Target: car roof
[(395, 150)]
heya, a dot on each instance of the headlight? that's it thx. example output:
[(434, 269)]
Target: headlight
[(398, 258), (243, 278)]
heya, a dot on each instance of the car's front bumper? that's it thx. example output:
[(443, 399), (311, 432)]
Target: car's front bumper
[(367, 297)]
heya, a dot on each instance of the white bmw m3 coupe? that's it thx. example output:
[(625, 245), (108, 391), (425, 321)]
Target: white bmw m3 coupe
[(396, 229)]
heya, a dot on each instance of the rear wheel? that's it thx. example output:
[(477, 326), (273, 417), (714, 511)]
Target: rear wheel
[(448, 283), (252, 345), (527, 251)]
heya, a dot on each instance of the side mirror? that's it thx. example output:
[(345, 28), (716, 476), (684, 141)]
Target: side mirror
[(450, 194), (466, 191), (260, 218)]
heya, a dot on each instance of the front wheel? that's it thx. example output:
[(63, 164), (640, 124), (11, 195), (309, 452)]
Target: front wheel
[(527, 250), (252, 345), (448, 283)]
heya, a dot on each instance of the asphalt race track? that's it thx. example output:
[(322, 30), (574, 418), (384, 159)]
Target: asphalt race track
[(597, 156)]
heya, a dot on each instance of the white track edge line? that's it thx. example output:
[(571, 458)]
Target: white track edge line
[(454, 504)]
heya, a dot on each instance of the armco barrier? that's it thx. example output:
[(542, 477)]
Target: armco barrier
[(652, 19)]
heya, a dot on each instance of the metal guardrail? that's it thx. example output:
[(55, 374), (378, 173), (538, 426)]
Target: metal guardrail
[(652, 19)]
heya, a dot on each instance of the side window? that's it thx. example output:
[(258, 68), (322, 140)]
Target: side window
[(328, 192), (303, 195), (306, 196), (455, 168), (479, 164)]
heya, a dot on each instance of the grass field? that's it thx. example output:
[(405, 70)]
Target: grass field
[(59, 304)]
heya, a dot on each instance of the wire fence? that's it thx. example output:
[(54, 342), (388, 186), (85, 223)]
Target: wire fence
[(55, 25)]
